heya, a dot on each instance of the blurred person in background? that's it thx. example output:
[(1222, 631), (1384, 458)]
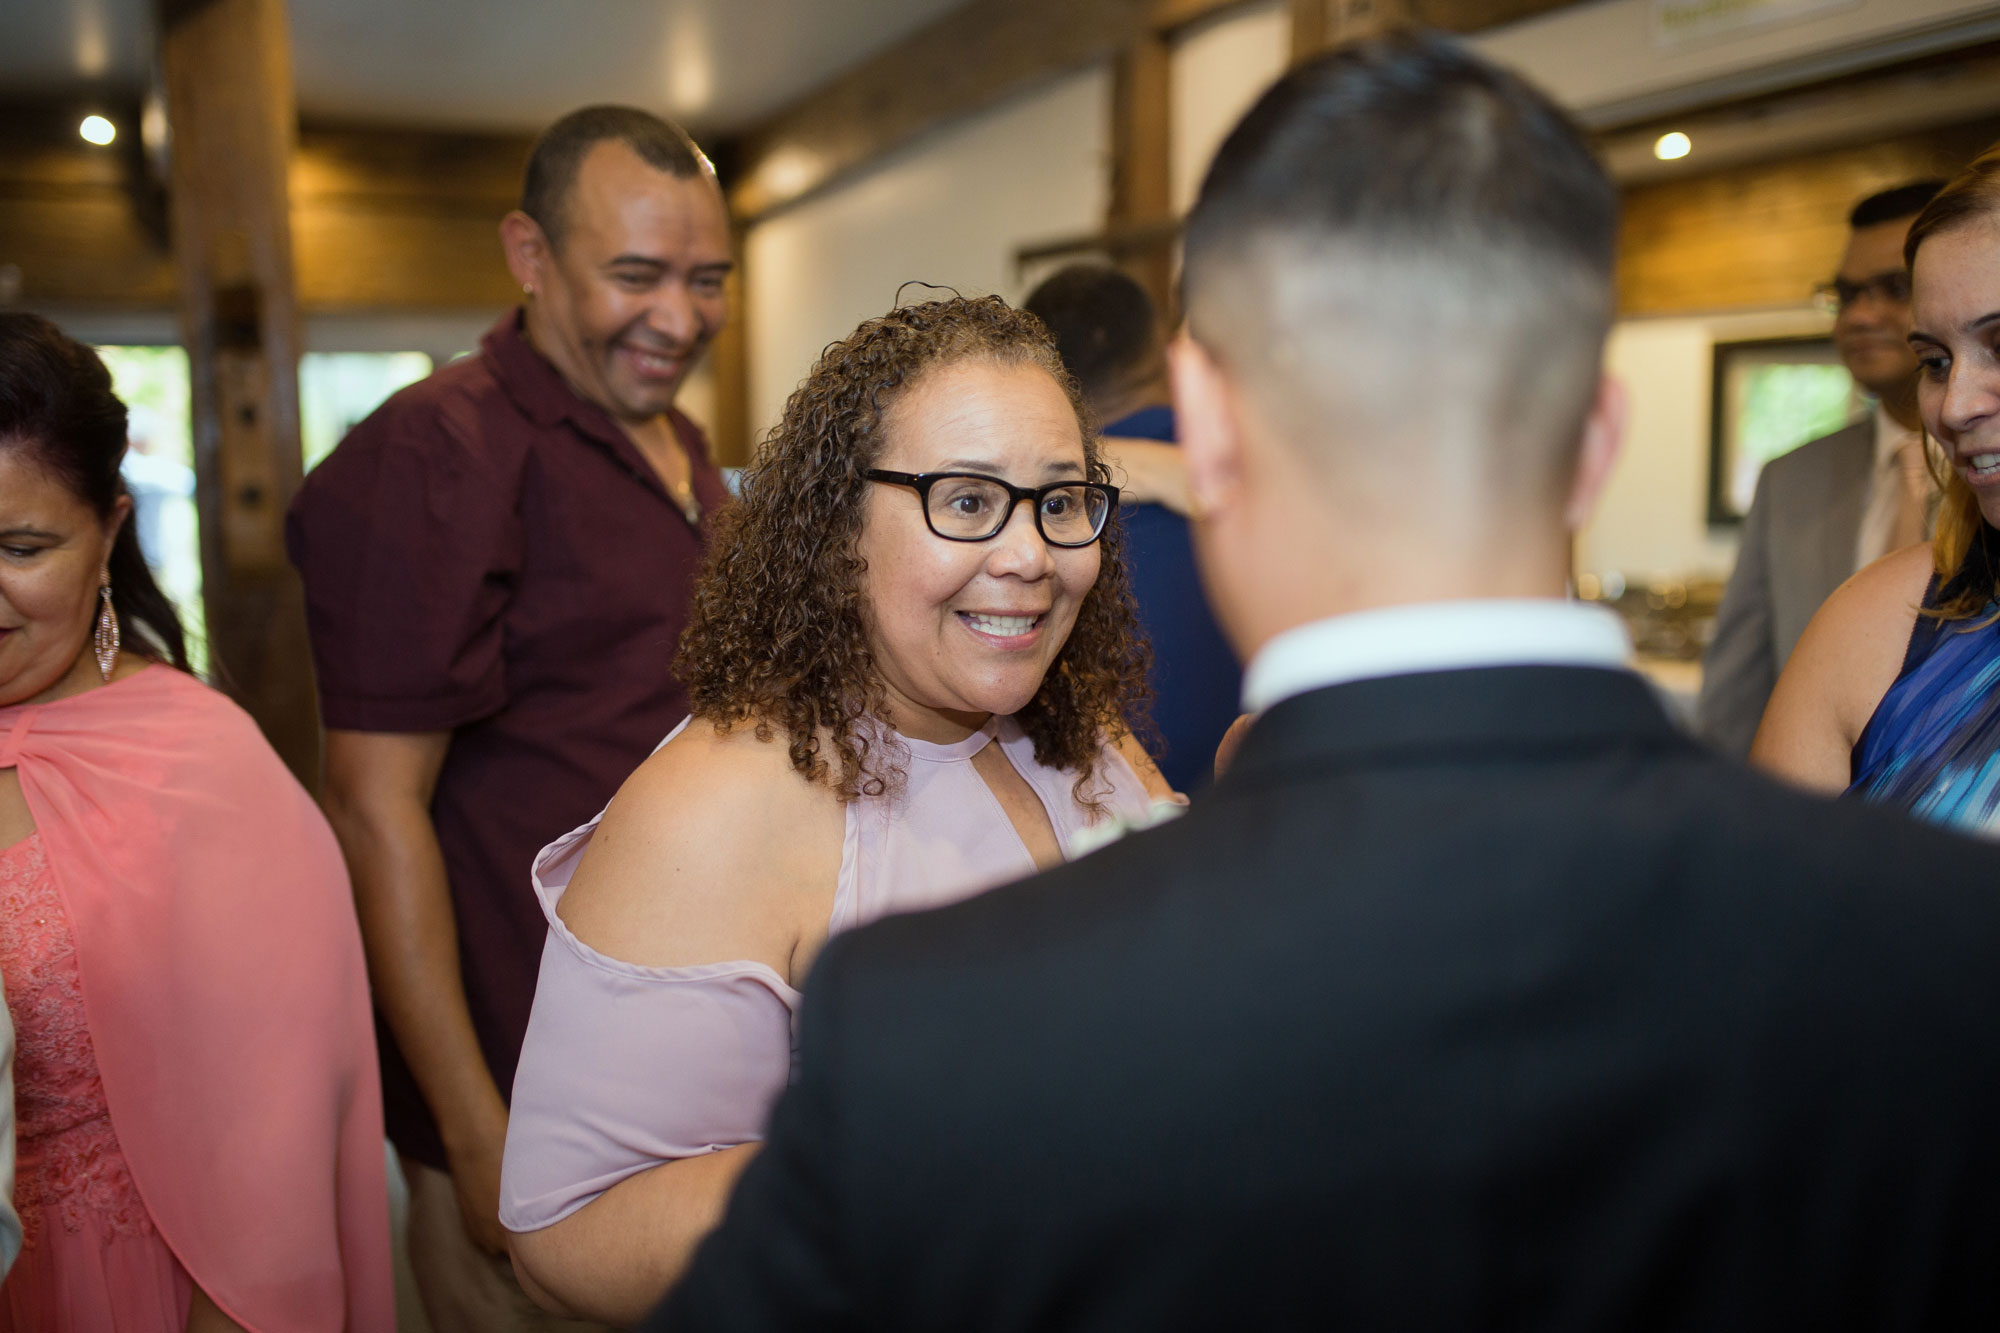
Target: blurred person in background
[(1110, 339), (1474, 994), (912, 666), (1894, 692), (198, 1117), (1834, 504), (498, 565), (154, 481)]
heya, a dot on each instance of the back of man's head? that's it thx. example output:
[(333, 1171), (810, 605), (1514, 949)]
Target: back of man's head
[(1105, 329), (1403, 255), (559, 153)]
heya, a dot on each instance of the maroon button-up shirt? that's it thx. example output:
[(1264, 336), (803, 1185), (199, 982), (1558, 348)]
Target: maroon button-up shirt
[(488, 554)]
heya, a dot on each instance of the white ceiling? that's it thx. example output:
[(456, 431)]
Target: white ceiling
[(718, 65)]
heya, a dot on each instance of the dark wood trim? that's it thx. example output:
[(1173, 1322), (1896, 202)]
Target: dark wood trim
[(1117, 241)]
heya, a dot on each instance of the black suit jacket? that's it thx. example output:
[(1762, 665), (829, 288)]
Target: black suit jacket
[(1472, 1000)]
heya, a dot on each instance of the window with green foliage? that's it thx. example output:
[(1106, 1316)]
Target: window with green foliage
[(338, 389), (159, 472), (1784, 406), (1771, 397)]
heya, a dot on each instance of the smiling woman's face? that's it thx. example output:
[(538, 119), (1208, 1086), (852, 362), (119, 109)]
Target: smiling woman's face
[(53, 548), (1957, 340), (963, 630)]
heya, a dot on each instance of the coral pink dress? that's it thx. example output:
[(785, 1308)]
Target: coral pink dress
[(196, 1086), (91, 1257)]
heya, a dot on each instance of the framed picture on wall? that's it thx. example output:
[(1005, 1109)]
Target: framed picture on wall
[(1769, 396)]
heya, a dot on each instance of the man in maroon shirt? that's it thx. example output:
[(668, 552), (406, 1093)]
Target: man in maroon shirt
[(498, 565)]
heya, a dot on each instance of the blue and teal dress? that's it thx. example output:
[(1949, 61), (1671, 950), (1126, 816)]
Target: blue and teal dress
[(1932, 746)]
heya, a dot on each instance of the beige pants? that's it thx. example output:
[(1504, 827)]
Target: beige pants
[(464, 1289)]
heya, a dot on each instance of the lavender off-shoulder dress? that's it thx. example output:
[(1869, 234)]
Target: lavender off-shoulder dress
[(625, 1067)]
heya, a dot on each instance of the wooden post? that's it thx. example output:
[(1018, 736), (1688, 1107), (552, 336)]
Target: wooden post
[(730, 356), (227, 68), (1141, 139)]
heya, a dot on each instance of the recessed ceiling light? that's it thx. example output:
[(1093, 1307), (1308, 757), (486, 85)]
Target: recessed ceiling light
[(97, 129), (1672, 146)]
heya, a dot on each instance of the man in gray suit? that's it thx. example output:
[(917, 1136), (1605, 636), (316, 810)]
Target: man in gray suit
[(1834, 504)]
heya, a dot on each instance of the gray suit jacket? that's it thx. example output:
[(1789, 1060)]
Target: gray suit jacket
[(1798, 546)]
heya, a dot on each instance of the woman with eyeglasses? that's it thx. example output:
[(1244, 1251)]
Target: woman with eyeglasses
[(1893, 694), (913, 663)]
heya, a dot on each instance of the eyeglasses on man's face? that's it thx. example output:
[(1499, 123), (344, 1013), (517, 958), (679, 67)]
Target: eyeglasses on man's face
[(971, 507), (1836, 296)]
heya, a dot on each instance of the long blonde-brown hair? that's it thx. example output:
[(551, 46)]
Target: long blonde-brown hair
[(1963, 592)]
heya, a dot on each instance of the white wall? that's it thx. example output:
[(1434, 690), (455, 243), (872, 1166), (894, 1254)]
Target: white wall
[(954, 207), (1219, 69), (950, 209), (1653, 520)]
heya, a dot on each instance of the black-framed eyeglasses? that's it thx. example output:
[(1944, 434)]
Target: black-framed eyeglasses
[(1836, 296), (972, 507)]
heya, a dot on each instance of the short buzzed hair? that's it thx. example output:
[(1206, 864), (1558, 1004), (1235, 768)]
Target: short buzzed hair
[(1402, 201), (1104, 325), (559, 152)]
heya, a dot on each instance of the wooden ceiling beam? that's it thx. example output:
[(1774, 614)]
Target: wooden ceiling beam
[(972, 57), (978, 54)]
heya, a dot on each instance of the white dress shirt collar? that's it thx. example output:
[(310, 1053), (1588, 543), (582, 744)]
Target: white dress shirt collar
[(1434, 636), (1890, 436)]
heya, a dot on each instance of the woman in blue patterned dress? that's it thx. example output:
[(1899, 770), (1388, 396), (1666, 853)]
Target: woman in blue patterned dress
[(1893, 694)]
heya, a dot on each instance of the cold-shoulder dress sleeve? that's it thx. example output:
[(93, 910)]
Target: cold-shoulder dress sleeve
[(625, 1067)]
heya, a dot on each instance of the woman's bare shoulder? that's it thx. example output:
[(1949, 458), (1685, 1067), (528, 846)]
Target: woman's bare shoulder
[(1844, 662), (715, 849), (1879, 603)]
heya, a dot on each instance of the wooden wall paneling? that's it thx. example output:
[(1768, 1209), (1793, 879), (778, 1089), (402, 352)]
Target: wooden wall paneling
[(403, 219), (1764, 235), (227, 68), (382, 218), (72, 219)]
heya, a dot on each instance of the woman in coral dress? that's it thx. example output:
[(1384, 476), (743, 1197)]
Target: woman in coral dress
[(199, 1128)]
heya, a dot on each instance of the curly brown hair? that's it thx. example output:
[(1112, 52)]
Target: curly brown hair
[(779, 633)]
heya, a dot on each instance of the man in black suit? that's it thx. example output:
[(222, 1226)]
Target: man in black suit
[(1474, 996)]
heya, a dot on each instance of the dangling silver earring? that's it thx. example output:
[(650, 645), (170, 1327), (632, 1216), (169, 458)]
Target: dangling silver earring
[(105, 640)]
